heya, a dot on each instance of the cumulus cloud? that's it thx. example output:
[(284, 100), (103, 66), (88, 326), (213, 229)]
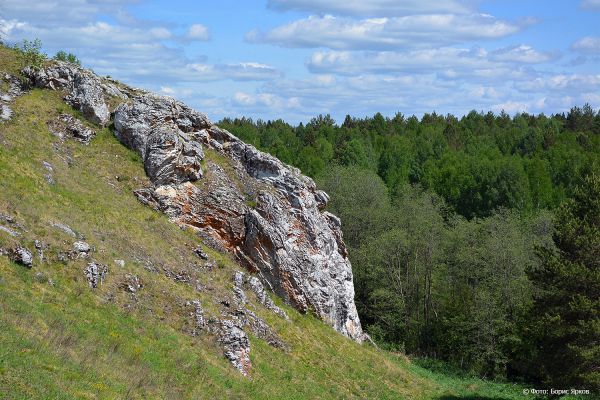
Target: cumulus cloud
[(420, 93), (449, 62), (50, 13), (416, 61), (138, 53), (374, 7), (341, 33), (265, 99), (249, 71), (524, 54), (160, 33), (512, 107), (587, 45), (197, 32), (566, 83)]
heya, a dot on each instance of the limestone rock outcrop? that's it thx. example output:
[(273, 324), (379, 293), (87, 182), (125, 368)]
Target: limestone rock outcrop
[(86, 91), (283, 233), (237, 198), (164, 133)]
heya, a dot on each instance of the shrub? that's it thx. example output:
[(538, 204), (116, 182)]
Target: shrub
[(31, 52), (67, 57)]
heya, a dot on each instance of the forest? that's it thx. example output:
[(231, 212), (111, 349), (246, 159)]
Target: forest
[(475, 242)]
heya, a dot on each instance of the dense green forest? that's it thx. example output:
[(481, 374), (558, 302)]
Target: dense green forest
[(474, 241)]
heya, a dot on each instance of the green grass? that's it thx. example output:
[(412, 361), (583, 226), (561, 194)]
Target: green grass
[(67, 341)]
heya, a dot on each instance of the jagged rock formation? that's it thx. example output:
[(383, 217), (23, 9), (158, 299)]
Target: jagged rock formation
[(237, 198), (162, 131), (86, 91), (286, 237)]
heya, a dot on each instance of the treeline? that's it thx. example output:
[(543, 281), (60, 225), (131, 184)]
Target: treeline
[(457, 252), (477, 164), (432, 283)]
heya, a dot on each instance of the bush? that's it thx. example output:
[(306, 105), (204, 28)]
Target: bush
[(67, 57), (31, 52)]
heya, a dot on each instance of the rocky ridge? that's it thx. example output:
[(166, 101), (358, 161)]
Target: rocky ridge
[(238, 199)]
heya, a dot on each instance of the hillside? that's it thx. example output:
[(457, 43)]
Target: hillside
[(131, 327)]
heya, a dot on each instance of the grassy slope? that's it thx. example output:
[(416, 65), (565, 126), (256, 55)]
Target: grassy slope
[(67, 341)]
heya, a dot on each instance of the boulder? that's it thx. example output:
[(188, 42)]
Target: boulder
[(81, 248), (262, 296), (65, 228), (14, 90), (21, 255)]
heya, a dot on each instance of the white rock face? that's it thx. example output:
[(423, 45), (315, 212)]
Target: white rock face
[(162, 131), (86, 92), (285, 236), (244, 201)]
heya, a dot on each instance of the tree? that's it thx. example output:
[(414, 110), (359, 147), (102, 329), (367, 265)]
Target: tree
[(566, 313), (359, 197), (396, 271)]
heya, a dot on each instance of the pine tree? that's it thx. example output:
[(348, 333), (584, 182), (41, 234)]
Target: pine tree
[(565, 322)]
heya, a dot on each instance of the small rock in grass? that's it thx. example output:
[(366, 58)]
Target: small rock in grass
[(201, 253), (95, 274), (65, 228), (21, 255), (132, 283), (82, 248), (9, 231)]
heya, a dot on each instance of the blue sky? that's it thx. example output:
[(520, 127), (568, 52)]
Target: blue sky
[(295, 59)]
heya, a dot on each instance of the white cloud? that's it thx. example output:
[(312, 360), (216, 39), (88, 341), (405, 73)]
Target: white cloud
[(197, 32), (523, 54), (161, 33), (135, 54), (563, 83), (511, 107), (167, 90), (50, 13), (446, 62), (342, 33), (591, 4), (374, 7), (249, 71), (269, 100), (415, 61), (587, 45)]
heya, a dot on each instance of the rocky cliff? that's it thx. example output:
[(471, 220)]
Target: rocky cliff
[(240, 200)]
